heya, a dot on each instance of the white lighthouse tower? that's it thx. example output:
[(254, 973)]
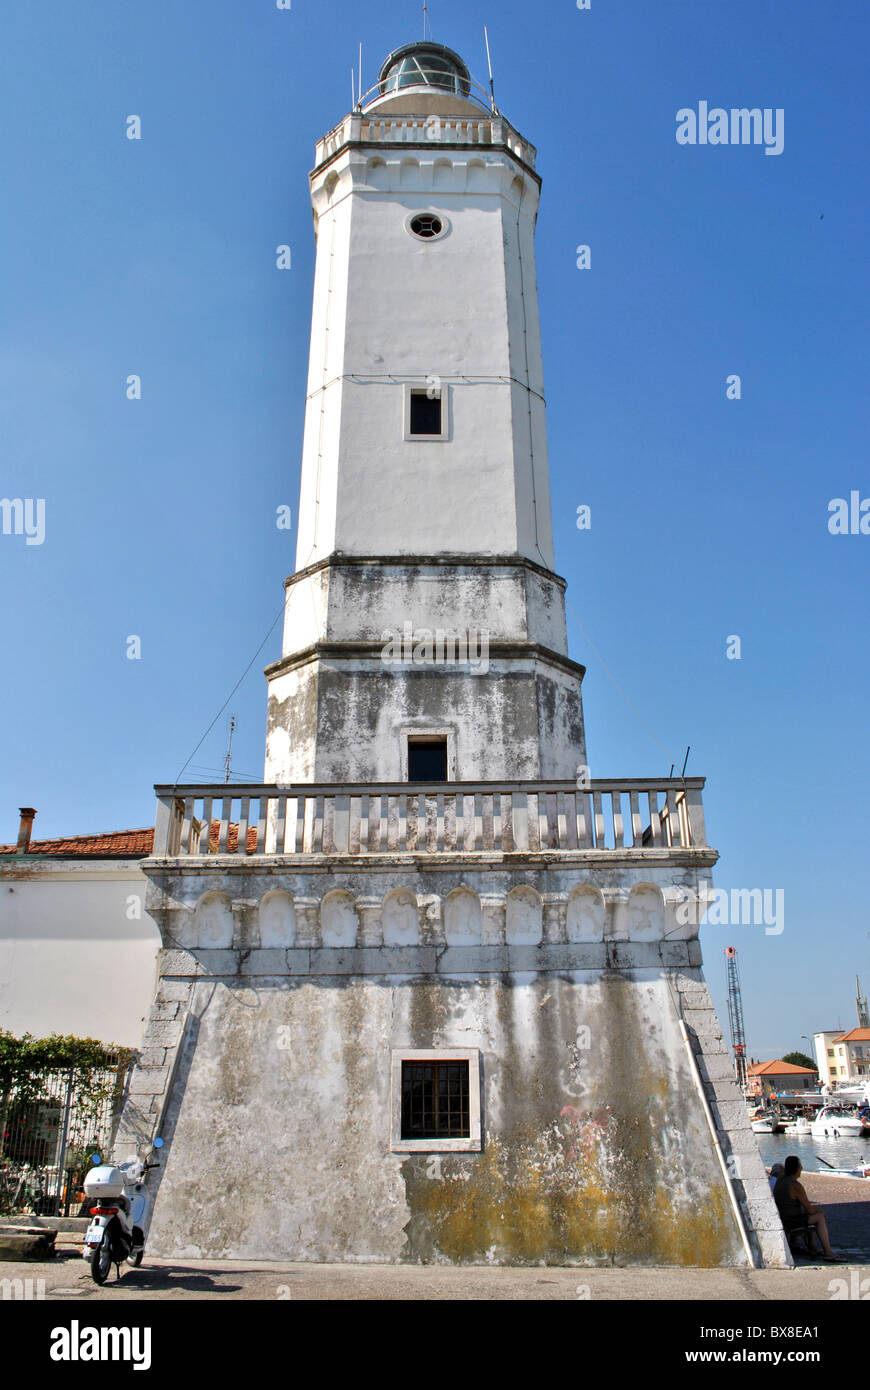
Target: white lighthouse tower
[(425, 503), (444, 996)]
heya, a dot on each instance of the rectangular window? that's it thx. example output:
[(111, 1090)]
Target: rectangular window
[(435, 1100), (427, 759), (435, 1104), (425, 413)]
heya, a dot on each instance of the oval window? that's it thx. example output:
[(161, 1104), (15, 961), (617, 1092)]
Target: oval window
[(426, 225)]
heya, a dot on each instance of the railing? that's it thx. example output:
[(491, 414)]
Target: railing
[(450, 818), (425, 130)]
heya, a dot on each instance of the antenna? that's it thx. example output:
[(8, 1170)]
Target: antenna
[(360, 76), (352, 91), (229, 749), (489, 65), (425, 11), (686, 759)]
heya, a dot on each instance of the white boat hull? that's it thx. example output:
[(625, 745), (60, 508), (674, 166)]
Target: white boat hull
[(833, 1126)]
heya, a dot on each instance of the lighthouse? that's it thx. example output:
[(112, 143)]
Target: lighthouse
[(440, 989), (425, 501)]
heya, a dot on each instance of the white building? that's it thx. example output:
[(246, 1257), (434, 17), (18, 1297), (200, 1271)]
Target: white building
[(435, 987), (843, 1056), (78, 952)]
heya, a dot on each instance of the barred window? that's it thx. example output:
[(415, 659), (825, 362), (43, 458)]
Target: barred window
[(435, 1100)]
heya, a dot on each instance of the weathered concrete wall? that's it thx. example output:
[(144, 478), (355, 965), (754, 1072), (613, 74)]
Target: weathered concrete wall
[(269, 1047), (345, 600), (335, 719), (338, 709), (229, 909), (596, 1148)]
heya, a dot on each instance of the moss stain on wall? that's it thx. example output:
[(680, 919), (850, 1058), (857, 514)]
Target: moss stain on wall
[(609, 1177)]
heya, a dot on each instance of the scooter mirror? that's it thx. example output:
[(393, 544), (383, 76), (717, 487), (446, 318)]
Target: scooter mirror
[(96, 1159), (158, 1143)]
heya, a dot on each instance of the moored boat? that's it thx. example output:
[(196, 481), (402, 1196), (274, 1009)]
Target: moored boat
[(799, 1126), (829, 1171), (843, 1172), (835, 1123), (763, 1122)]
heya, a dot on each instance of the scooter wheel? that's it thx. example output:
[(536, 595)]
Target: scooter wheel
[(136, 1259), (101, 1260)]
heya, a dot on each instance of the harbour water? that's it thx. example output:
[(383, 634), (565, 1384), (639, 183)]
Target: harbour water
[(840, 1153)]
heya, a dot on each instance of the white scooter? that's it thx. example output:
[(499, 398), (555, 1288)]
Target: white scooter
[(120, 1214)]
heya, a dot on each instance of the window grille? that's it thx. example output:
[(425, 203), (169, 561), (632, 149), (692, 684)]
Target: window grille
[(435, 1100)]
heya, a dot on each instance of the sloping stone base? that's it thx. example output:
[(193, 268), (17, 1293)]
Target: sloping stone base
[(274, 1101)]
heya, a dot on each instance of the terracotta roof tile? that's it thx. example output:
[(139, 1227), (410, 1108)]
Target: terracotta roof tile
[(214, 831), (779, 1069), (854, 1035), (112, 844)]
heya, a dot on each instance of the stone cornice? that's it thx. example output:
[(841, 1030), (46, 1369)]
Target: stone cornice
[(32, 867), (430, 148), (278, 962), (510, 651), (338, 560), (196, 865)]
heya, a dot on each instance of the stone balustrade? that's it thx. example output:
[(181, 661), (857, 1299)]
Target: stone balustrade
[(360, 128), (485, 818)]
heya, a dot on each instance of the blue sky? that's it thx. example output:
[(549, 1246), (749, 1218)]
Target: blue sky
[(709, 516)]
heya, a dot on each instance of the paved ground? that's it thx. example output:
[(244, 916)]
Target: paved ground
[(68, 1277), (847, 1203)]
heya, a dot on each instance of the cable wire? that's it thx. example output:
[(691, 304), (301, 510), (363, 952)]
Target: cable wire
[(272, 625)]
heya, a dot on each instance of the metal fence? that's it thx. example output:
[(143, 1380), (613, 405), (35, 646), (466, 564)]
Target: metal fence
[(46, 1143)]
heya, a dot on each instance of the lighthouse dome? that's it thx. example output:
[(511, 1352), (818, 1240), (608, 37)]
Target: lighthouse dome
[(425, 76), (424, 66)]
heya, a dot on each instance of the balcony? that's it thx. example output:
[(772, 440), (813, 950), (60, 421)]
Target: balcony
[(635, 818), (484, 130)]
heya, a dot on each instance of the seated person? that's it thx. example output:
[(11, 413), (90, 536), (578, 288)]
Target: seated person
[(776, 1173), (796, 1209)]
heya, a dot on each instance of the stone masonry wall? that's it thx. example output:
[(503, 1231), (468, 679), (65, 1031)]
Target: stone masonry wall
[(269, 1047)]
